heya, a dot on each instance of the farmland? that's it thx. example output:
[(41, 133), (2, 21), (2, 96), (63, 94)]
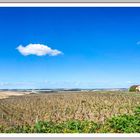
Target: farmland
[(96, 107)]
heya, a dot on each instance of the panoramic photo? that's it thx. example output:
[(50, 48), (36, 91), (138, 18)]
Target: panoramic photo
[(69, 70)]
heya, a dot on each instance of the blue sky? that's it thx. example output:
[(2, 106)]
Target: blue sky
[(78, 47)]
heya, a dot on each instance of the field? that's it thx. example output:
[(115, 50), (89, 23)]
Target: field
[(60, 107), (6, 94)]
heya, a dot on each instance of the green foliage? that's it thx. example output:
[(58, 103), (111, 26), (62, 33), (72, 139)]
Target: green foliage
[(72, 126), (124, 123), (133, 88), (77, 126), (137, 111)]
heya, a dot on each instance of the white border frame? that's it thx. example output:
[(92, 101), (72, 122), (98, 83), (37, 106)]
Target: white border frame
[(69, 4), (97, 135)]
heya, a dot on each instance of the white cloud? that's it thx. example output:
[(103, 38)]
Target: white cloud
[(37, 49), (129, 82)]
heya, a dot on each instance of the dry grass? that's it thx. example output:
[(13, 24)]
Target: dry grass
[(96, 106)]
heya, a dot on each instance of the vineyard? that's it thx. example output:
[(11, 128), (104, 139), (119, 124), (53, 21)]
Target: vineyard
[(59, 108)]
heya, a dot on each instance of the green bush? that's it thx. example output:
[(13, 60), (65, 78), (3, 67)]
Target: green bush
[(133, 88), (72, 126), (124, 123)]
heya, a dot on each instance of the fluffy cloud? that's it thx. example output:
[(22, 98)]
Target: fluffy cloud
[(37, 49)]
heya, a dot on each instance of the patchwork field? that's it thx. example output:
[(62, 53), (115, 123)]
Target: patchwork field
[(60, 107)]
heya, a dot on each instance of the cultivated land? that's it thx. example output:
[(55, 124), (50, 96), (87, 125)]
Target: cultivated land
[(6, 94), (60, 107)]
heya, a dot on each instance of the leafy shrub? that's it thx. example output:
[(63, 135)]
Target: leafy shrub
[(124, 123), (72, 126), (133, 88)]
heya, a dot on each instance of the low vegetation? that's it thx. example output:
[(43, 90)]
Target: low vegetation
[(124, 123), (118, 124), (91, 112), (133, 88)]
